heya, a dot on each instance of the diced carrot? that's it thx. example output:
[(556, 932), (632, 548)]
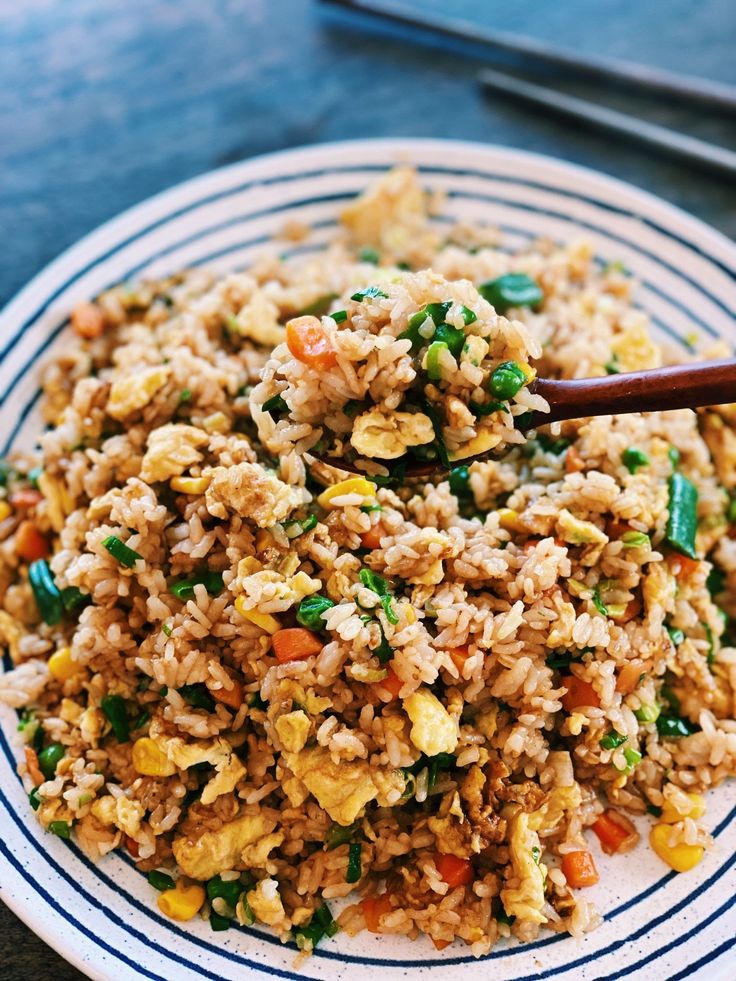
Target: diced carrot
[(372, 537), (573, 460), (34, 770), (615, 832), (453, 870), (628, 678), (458, 656), (30, 544), (232, 697), (87, 320), (295, 644), (373, 908), (633, 608), (579, 869), (682, 566), (392, 683), (308, 341), (441, 944), (132, 845), (578, 693), (617, 529), (26, 497)]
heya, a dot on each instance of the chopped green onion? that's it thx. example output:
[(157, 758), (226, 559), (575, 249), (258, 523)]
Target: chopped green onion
[(338, 835), (321, 925), (35, 799), (5, 472), (611, 366), (488, 408), (373, 581), (511, 290), (167, 629), (295, 527), (228, 890), (434, 353), (674, 456), (370, 292), (598, 603), (507, 379), (184, 589), (311, 608), (33, 474), (635, 539), (61, 829), (648, 713), (676, 635), (45, 592), (654, 810), (389, 610), (115, 711), (632, 757), (459, 480), (49, 759), (199, 696), (550, 445), (711, 656), (468, 316), (716, 581), (144, 716), (320, 306), (433, 417), (452, 337), (160, 880), (185, 395), (632, 459), (72, 598), (612, 740), (355, 869), (339, 316), (682, 521), (368, 254), (370, 508), (120, 551), (536, 854), (561, 659), (674, 727), (384, 652), (219, 923), (275, 404)]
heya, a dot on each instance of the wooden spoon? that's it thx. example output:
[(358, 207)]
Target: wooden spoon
[(681, 386)]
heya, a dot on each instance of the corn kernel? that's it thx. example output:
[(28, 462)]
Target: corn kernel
[(149, 760), (409, 613), (680, 857), (263, 620), (218, 422), (182, 902), (482, 443), (509, 520), (354, 485), (529, 372), (670, 814), (5, 510), (189, 485), (61, 665)]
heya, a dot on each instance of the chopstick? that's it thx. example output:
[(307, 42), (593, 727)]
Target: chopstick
[(687, 87), (687, 148)]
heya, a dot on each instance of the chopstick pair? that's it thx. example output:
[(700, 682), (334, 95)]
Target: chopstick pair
[(687, 88)]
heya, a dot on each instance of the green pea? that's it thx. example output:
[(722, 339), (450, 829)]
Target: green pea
[(434, 353), (632, 459), (460, 481), (511, 290), (49, 759), (229, 891), (507, 379), (452, 337), (310, 611)]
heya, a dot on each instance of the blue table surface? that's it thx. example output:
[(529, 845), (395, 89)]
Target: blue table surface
[(105, 103)]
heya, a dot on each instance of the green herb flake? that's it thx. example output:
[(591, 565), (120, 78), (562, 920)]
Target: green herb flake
[(677, 636), (635, 539), (512, 290), (275, 405), (648, 713), (369, 293), (368, 254), (634, 459), (612, 740), (434, 354), (120, 551), (339, 316), (199, 696), (45, 592), (62, 829), (682, 520), (160, 880), (229, 890), (674, 727), (185, 396), (184, 589), (310, 610), (674, 456), (354, 869), (115, 711)]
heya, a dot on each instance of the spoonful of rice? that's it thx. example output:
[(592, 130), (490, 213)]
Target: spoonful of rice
[(422, 373)]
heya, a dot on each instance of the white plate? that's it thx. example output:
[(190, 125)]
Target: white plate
[(103, 918)]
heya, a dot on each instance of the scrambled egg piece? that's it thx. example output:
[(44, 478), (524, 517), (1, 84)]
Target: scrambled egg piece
[(526, 898), (217, 752), (451, 837), (104, 809), (259, 320), (270, 585), (560, 800), (578, 532), (248, 490), (132, 393), (59, 501), (224, 781), (376, 435), (256, 855), (128, 815), (218, 851), (659, 587), (482, 442), (342, 789), (171, 449), (434, 730), (635, 349), (389, 214), (11, 632), (293, 730), (266, 904)]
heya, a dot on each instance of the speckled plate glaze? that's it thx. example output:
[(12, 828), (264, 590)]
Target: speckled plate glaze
[(103, 918)]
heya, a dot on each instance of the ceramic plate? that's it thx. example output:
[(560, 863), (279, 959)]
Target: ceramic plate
[(103, 919)]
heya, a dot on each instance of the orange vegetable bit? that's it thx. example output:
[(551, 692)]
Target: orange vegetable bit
[(573, 461), (34, 770), (458, 656), (30, 544), (629, 677), (132, 845), (373, 908), (392, 683), (440, 944), (372, 537), (615, 832), (87, 320), (295, 644), (578, 694), (682, 566), (309, 342), (617, 529), (633, 609), (232, 697), (579, 869), (26, 497), (455, 871)]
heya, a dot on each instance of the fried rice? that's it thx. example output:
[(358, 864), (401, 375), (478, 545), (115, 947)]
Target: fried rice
[(276, 684)]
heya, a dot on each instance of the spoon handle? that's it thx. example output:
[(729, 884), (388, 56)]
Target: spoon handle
[(679, 386)]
